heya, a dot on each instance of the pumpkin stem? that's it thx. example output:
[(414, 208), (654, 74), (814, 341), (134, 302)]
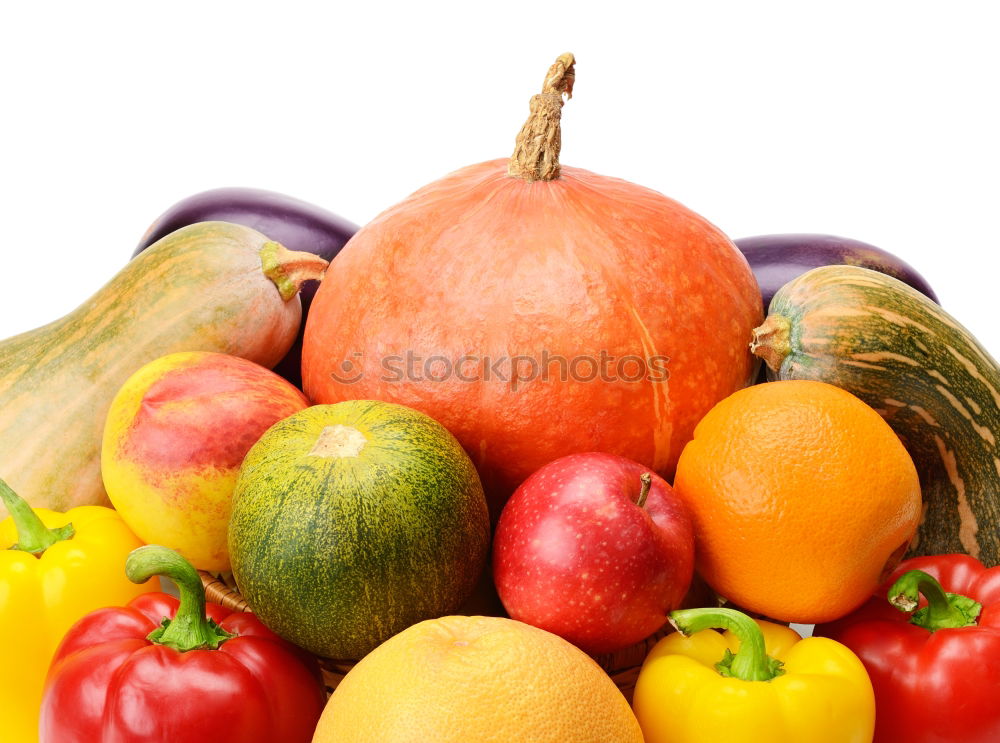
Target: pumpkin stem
[(289, 269), (771, 341), (536, 152)]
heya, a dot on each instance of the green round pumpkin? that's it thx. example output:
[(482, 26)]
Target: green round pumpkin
[(350, 522)]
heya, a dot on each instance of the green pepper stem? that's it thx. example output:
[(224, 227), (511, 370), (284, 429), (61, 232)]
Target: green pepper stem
[(647, 481), (32, 535), (751, 662), (190, 629), (943, 610)]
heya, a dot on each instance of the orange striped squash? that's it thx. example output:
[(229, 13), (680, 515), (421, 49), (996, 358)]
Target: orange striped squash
[(927, 375)]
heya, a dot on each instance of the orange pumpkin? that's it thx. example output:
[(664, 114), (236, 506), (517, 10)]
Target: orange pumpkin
[(538, 311)]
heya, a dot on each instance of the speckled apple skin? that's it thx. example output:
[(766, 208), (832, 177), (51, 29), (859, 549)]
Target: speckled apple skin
[(174, 440), (573, 553)]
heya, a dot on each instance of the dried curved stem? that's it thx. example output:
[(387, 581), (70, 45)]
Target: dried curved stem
[(536, 152)]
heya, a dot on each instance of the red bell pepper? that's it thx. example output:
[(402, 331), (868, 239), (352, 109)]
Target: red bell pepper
[(159, 671), (936, 670)]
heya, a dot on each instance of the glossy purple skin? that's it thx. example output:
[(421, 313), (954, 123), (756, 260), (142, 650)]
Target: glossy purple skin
[(777, 259), (298, 225)]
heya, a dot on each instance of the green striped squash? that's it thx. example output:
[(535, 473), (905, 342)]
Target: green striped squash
[(211, 286), (916, 365), (353, 521)]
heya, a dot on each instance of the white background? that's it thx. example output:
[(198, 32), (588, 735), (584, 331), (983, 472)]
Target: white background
[(874, 120)]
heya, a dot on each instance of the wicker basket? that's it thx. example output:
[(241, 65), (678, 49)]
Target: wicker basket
[(623, 666)]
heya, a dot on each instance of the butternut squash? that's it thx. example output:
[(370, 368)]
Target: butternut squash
[(211, 286)]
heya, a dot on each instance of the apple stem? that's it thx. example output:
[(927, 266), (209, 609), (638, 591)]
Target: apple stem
[(647, 480)]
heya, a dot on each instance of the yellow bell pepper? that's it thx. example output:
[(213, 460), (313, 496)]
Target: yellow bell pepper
[(756, 682), (54, 568)]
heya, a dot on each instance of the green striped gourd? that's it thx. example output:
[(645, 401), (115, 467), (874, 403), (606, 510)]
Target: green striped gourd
[(211, 286), (352, 521), (916, 365)]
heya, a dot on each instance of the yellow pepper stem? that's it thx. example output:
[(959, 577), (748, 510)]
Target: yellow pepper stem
[(751, 662), (943, 610), (190, 629), (32, 535)]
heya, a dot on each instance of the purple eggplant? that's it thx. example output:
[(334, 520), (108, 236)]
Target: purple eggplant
[(298, 225), (777, 259)]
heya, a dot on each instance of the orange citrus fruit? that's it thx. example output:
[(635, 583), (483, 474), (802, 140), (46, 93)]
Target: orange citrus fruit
[(802, 499), (459, 679)]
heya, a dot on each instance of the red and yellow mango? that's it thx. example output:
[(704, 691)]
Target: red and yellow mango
[(174, 439)]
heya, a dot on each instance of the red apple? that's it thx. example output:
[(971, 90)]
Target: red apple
[(595, 548)]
